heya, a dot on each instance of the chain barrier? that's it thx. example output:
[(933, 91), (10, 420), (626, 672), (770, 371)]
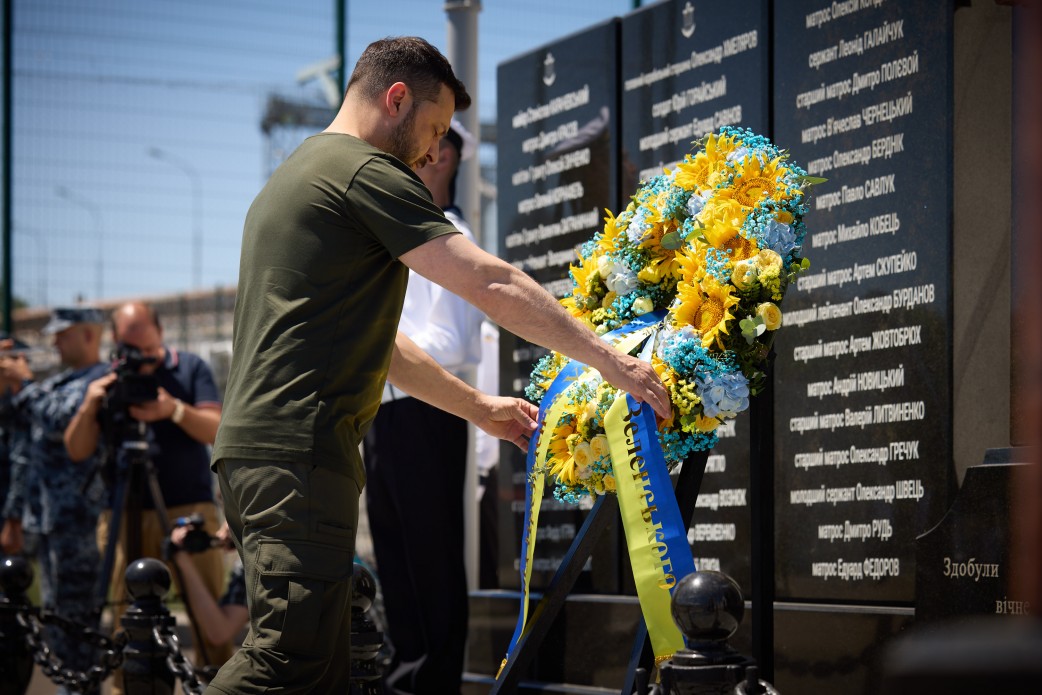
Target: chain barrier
[(166, 639), (33, 621), (147, 646)]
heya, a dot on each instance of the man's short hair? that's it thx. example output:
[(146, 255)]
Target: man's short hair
[(407, 59)]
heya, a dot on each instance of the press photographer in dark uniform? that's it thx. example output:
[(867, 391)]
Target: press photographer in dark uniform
[(182, 420)]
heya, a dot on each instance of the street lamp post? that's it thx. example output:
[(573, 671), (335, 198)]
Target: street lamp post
[(95, 212), (197, 208)]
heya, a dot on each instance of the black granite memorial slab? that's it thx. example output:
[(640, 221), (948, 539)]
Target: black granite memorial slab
[(557, 171), (688, 69), (822, 652), (863, 97), (963, 563)]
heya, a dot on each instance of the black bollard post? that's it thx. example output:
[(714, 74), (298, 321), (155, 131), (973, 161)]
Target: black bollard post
[(145, 670), (16, 659), (366, 640), (708, 608)]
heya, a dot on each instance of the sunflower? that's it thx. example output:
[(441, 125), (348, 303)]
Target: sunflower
[(693, 173), (725, 237), (718, 147), (754, 180), (611, 232), (690, 265), (669, 380), (585, 274), (714, 312), (687, 305), (559, 453), (662, 265), (579, 312)]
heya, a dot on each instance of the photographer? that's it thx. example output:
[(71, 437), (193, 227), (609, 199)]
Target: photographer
[(181, 421), (220, 621)]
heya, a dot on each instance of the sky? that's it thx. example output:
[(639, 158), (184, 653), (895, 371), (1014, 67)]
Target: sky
[(137, 124)]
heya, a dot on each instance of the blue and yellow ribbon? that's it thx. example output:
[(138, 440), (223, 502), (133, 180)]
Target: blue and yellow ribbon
[(655, 534), (551, 410), (656, 537)]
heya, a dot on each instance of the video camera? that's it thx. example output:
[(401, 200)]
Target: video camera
[(131, 387)]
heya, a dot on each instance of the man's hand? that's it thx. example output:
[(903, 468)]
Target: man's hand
[(11, 539), (510, 419), (153, 411), (639, 379), (95, 395)]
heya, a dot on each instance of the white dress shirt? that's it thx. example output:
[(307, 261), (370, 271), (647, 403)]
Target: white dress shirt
[(443, 325)]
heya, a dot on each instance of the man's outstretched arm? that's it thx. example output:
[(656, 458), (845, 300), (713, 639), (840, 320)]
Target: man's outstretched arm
[(415, 372), (516, 302)]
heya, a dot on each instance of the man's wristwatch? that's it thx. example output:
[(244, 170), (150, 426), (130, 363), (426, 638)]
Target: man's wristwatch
[(179, 412)]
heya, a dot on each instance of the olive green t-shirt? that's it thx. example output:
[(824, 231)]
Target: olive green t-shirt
[(320, 294)]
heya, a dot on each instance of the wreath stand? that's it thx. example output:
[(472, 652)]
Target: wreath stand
[(689, 483)]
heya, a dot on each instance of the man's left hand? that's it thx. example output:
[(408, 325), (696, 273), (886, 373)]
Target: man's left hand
[(153, 411), (511, 419)]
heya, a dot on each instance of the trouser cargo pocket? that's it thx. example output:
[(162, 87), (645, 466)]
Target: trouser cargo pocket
[(302, 596)]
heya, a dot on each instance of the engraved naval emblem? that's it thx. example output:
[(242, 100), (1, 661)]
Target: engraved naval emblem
[(548, 70), (688, 26)]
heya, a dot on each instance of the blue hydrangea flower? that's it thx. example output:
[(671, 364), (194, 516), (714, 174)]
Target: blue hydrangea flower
[(621, 280), (695, 204), (638, 227), (723, 395), (738, 154), (779, 238)]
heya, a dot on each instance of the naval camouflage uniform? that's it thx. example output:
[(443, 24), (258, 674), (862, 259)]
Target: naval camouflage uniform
[(21, 500), (68, 514)]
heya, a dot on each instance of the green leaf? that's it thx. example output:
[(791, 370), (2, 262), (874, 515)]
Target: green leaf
[(812, 180), (672, 241)]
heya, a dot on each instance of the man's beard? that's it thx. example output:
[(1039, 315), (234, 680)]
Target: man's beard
[(401, 145)]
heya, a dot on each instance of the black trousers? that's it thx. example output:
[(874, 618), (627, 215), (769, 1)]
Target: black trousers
[(415, 459)]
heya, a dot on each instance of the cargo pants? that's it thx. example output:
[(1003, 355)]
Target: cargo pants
[(294, 526)]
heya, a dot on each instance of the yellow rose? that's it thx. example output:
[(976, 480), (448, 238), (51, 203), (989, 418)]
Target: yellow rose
[(609, 299), (583, 455), (642, 305), (767, 260), (744, 274), (784, 216), (771, 315), (599, 444), (609, 483)]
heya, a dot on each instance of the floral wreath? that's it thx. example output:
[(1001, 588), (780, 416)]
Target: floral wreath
[(711, 246)]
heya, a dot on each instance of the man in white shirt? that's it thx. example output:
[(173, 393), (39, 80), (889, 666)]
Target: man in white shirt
[(415, 460)]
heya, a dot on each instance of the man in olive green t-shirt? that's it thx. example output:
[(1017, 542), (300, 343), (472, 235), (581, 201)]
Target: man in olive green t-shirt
[(326, 249)]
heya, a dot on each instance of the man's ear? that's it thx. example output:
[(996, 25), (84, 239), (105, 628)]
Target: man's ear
[(396, 98)]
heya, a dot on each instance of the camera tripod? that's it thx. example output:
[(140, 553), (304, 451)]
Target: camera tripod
[(131, 468)]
